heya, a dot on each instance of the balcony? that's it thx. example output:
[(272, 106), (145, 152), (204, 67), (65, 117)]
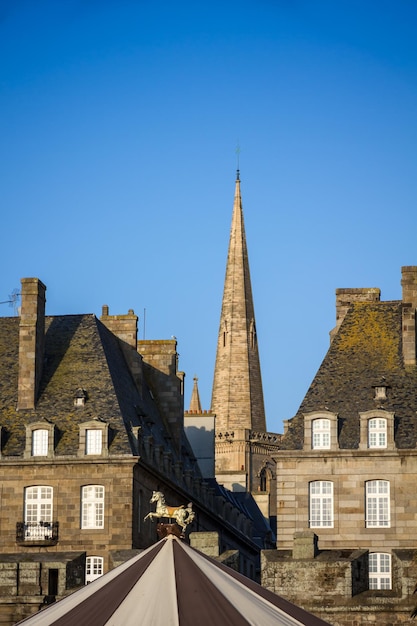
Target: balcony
[(37, 533)]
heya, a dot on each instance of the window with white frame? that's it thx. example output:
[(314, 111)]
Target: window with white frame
[(93, 441), (92, 506), (38, 504), (377, 503), (321, 504), (40, 442), (379, 570), (377, 433), (38, 512), (320, 433), (93, 568)]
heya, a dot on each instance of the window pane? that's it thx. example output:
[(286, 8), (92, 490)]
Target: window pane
[(321, 434), (92, 506), (38, 512), (40, 442), (380, 571), (321, 504), (93, 441), (93, 568), (377, 433), (377, 503)]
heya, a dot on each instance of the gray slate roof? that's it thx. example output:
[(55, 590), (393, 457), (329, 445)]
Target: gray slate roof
[(366, 351), (79, 352)]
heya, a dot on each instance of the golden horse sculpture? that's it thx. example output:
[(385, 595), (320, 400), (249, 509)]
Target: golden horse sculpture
[(182, 514)]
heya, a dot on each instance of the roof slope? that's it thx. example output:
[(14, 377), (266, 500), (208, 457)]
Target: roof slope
[(366, 352), (80, 352), (171, 583)]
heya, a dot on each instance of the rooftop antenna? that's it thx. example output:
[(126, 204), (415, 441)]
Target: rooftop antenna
[(238, 159), (13, 300), (144, 322)]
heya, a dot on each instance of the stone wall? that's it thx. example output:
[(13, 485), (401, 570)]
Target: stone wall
[(333, 584)]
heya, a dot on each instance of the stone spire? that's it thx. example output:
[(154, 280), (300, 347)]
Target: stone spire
[(237, 398), (195, 404)]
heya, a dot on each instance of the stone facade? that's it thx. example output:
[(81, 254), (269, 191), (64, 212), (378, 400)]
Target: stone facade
[(91, 423), (347, 467)]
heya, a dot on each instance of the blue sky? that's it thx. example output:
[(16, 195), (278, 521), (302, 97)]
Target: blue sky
[(118, 127)]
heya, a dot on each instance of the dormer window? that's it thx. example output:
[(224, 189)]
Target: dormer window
[(377, 433), (94, 438), (80, 397), (380, 393), (40, 442), (93, 441), (320, 429), (40, 439), (376, 429)]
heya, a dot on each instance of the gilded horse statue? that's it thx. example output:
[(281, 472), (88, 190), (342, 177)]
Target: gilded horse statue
[(182, 514)]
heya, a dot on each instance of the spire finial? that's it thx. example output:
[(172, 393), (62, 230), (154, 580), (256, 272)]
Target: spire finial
[(237, 159)]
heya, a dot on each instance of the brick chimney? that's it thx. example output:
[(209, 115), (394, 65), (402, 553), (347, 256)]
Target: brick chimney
[(31, 341), (409, 300)]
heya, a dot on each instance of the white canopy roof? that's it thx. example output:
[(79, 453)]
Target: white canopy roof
[(171, 584)]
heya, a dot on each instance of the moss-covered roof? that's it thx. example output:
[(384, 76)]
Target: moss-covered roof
[(366, 351)]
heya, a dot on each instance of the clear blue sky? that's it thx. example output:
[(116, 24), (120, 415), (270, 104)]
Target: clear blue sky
[(118, 126)]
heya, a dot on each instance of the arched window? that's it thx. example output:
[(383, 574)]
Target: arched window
[(320, 429), (263, 480), (377, 433), (93, 568), (92, 506), (40, 442), (377, 503), (321, 504), (379, 570)]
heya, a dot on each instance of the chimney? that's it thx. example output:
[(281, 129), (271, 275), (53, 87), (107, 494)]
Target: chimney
[(409, 300), (31, 341), (167, 383), (346, 297), (123, 326), (305, 545)]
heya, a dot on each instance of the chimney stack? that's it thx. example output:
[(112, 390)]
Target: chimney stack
[(31, 341), (409, 300), (346, 297)]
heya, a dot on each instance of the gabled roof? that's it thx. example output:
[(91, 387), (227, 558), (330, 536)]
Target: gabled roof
[(171, 583), (366, 352)]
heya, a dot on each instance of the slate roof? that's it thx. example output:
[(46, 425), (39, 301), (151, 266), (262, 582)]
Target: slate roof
[(366, 350), (80, 352)]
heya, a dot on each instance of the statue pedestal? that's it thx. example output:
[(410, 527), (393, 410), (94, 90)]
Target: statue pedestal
[(169, 529)]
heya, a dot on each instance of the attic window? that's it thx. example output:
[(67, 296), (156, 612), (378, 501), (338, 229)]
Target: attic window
[(380, 392), (80, 397)]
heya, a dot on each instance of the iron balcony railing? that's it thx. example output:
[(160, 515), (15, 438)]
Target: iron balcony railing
[(37, 531)]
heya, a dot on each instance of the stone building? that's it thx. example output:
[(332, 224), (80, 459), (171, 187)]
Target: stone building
[(347, 470), (338, 485), (91, 423)]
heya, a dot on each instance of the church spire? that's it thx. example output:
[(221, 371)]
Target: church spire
[(195, 404), (237, 398)]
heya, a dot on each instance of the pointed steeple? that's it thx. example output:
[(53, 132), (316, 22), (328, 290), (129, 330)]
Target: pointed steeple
[(195, 404), (237, 398)]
